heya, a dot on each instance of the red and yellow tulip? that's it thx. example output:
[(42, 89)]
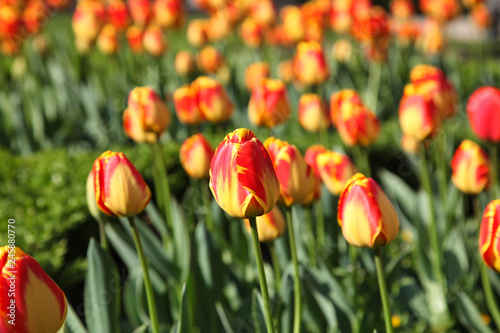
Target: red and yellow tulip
[(269, 226), (107, 41), (134, 36), (184, 63), (335, 170), (117, 13), (213, 101), (209, 59), (418, 117), (471, 169), (186, 106), (273, 146), (489, 235), (366, 215), (140, 12), (311, 157), (153, 40), (342, 99), (255, 73), (251, 33), (196, 32), (168, 13), (268, 104), (357, 125), (196, 155), (483, 111), (312, 114), (309, 63)]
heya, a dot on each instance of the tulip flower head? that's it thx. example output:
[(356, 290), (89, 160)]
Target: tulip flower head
[(335, 170), (196, 155), (213, 101), (310, 64), (366, 215), (186, 106), (269, 226), (357, 125), (470, 168), (273, 146), (269, 104), (184, 63), (483, 111), (40, 305), (313, 115), (489, 235), (255, 73), (119, 187), (153, 40), (242, 176), (418, 117), (311, 157), (343, 99)]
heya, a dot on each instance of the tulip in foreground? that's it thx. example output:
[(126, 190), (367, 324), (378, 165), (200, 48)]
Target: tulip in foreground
[(270, 226), (470, 168), (38, 305), (196, 155)]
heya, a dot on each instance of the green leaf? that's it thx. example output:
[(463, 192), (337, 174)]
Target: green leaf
[(183, 324), (223, 318), (182, 241), (258, 317), (102, 291), (469, 316), (73, 324)]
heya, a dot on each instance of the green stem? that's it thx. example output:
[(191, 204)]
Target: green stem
[(320, 226), (157, 181), (361, 159), (383, 290), (147, 282), (373, 85), (162, 173), (277, 282), (488, 293), (262, 276), (311, 241), (102, 235), (441, 163), (206, 204), (296, 278), (494, 174), (433, 232)]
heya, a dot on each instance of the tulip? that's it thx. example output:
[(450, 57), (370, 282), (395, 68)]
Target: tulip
[(184, 63), (441, 10), (88, 18), (242, 176), (269, 226), (35, 15), (135, 35), (119, 187), (340, 16), (196, 32), (481, 16), (213, 102), (268, 105), (309, 63), (255, 73), (489, 235), (342, 99), (140, 11), (273, 146), (146, 117), (432, 40), (313, 116), (293, 25), (107, 41), (342, 50), (365, 214), (418, 117), (39, 304), (118, 14), (402, 9), (167, 13), (483, 111), (311, 157), (285, 71), (209, 59), (357, 125), (154, 41), (220, 26), (186, 106), (470, 168), (335, 170), (263, 12), (251, 33), (196, 155)]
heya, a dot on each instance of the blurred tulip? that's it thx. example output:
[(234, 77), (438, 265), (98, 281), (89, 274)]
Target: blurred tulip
[(418, 117), (312, 114), (343, 99), (119, 187), (10, 21), (209, 59), (213, 101), (153, 40), (309, 63), (489, 235), (335, 169), (255, 73), (88, 18), (366, 215), (273, 146), (268, 105), (31, 301), (251, 33), (402, 9), (407, 32), (167, 13), (186, 106), (117, 11), (135, 35), (184, 63), (269, 226), (313, 31), (311, 157), (409, 144), (107, 41), (483, 111), (357, 125), (373, 32), (342, 50), (140, 12), (470, 168), (35, 15), (441, 10), (196, 32), (195, 155), (285, 71), (146, 116), (340, 16), (432, 40), (263, 13), (220, 27), (242, 176), (481, 16), (293, 25)]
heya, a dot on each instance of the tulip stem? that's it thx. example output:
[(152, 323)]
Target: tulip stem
[(102, 235), (277, 282), (440, 161), (433, 231), (373, 85), (296, 278), (383, 290), (494, 174), (147, 282), (362, 162), (262, 276), (320, 226), (311, 241), (488, 293)]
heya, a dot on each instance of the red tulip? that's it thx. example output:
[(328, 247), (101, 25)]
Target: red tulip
[(483, 111)]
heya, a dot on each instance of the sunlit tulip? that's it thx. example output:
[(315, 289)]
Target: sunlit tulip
[(489, 235), (242, 176), (167, 13), (365, 214), (373, 32), (146, 116), (119, 187), (340, 16), (118, 14), (213, 101), (195, 155), (418, 117), (309, 63), (263, 12), (34, 15), (311, 157), (251, 33), (313, 115), (220, 26), (483, 111), (268, 104), (357, 125), (343, 99), (31, 301), (184, 63), (107, 41), (273, 146), (470, 168), (88, 18), (140, 11), (186, 106), (402, 9), (441, 10), (135, 35), (316, 11), (342, 50), (285, 71), (209, 59), (153, 40), (196, 32), (269, 226), (335, 169), (255, 73), (296, 177), (292, 23)]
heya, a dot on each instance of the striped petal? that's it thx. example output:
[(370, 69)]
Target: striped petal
[(470, 168), (489, 235)]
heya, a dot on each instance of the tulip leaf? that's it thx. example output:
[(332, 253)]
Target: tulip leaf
[(223, 317), (469, 316), (325, 305), (131, 306), (182, 241), (258, 318), (102, 291), (156, 218), (73, 324), (183, 323)]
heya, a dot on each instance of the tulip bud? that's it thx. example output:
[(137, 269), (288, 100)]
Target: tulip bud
[(34, 16), (273, 146), (196, 154), (366, 215), (335, 170), (184, 63), (107, 41), (135, 35), (140, 11), (418, 117), (251, 33), (213, 102), (220, 26), (342, 99), (154, 41), (285, 71), (146, 117), (309, 63), (295, 176), (186, 106), (263, 12), (37, 304), (489, 236), (118, 14), (311, 157), (483, 112), (342, 50), (167, 13), (471, 170), (269, 226), (255, 73), (209, 59), (313, 116), (242, 176), (119, 187), (196, 32), (91, 202), (357, 124), (88, 18), (268, 105), (293, 25)]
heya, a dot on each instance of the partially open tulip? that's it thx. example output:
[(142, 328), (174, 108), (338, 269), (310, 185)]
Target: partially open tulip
[(309, 63), (268, 104), (209, 59), (196, 155), (418, 117), (31, 301), (269, 226), (213, 101), (186, 106), (242, 176), (146, 116), (255, 73), (119, 187), (470, 168), (134, 36), (335, 170), (343, 99), (483, 111), (366, 215), (313, 115), (489, 235), (107, 41), (184, 63), (357, 125), (296, 177), (153, 40)]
